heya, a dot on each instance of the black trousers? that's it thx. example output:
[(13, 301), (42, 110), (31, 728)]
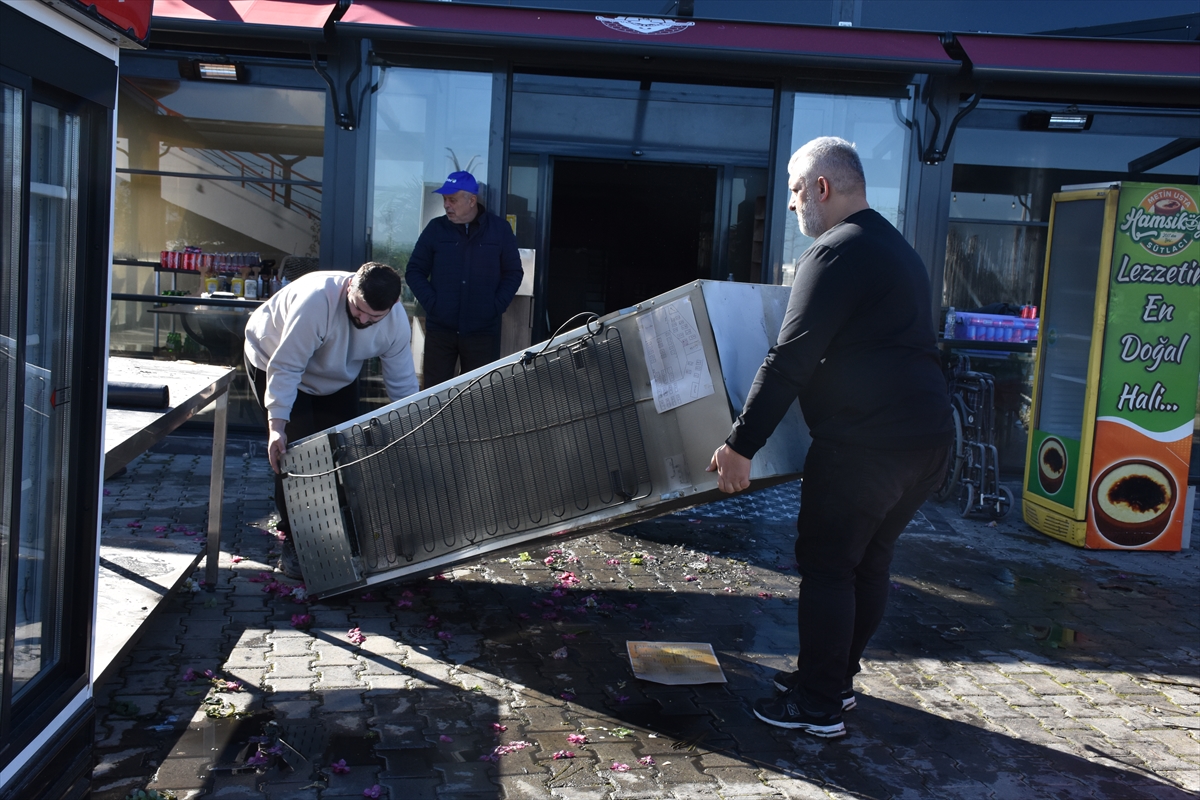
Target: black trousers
[(310, 414), (445, 350), (855, 503)]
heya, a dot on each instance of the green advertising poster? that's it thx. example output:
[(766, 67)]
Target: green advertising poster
[(1056, 467), (1146, 405), (1151, 357)]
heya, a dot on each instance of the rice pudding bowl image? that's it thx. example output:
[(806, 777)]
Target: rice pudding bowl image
[(1052, 464), (1132, 502)]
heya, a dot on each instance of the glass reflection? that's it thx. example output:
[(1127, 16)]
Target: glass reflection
[(11, 134), (46, 450), (877, 127), (428, 123)]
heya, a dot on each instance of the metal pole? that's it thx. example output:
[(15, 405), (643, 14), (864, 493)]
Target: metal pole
[(216, 491)]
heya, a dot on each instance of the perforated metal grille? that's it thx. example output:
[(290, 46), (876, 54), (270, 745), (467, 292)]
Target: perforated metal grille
[(315, 516), (529, 446)]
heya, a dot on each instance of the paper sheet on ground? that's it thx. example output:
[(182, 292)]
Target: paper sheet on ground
[(674, 355), (675, 663)]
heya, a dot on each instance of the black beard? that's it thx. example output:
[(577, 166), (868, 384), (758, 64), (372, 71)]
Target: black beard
[(353, 321)]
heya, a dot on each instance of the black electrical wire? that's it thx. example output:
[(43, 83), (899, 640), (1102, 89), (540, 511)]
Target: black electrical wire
[(526, 359)]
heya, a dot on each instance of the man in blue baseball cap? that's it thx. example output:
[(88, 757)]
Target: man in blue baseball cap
[(465, 270)]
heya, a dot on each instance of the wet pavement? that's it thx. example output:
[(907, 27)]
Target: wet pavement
[(1009, 666)]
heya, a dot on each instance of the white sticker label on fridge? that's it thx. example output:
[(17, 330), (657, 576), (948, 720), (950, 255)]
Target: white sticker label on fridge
[(674, 355)]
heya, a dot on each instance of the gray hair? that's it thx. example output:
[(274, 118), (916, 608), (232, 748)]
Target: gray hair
[(833, 157)]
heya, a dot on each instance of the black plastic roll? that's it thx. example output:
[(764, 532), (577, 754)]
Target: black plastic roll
[(138, 395)]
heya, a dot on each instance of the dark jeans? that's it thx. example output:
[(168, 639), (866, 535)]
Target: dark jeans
[(444, 350), (310, 414), (855, 503)]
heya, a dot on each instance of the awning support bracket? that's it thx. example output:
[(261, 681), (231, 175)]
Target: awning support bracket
[(933, 155)]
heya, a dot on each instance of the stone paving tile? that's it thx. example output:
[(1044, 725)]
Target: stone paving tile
[(966, 691)]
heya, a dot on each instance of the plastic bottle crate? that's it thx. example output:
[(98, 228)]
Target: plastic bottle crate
[(993, 327)]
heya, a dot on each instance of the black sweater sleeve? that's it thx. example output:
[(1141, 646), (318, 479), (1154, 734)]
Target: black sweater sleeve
[(820, 304)]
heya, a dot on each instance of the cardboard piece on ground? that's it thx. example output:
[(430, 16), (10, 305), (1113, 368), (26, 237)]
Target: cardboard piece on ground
[(675, 663)]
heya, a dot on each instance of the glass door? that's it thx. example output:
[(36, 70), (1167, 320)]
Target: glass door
[(46, 445), (11, 140)]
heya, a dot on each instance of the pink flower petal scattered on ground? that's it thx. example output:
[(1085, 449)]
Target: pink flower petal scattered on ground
[(631, 606), (262, 577), (160, 528), (690, 578), (550, 615), (612, 562), (522, 615), (257, 760), (403, 603), (339, 767), (503, 750), (646, 761), (190, 674), (355, 636), (646, 625), (445, 738), (622, 698), (431, 621), (445, 636), (568, 579), (190, 533), (208, 673), (368, 597), (133, 524), (373, 791), (619, 767), (555, 552), (728, 589), (559, 653), (406, 593), (237, 559), (577, 738), (572, 559), (558, 592), (549, 560), (107, 492), (764, 595), (569, 637), (562, 754), (302, 621), (498, 728), (568, 696), (441, 576)]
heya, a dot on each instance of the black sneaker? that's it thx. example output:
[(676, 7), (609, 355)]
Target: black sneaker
[(786, 712), (289, 562), (786, 681)]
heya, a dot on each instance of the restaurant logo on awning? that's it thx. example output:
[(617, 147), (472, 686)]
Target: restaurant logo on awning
[(1165, 222), (646, 26)]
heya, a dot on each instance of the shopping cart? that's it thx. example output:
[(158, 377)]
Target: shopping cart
[(973, 474)]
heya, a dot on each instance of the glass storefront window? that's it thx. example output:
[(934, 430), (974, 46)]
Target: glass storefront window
[(876, 126), (1003, 181), (230, 169), (11, 135), (428, 123), (46, 445)]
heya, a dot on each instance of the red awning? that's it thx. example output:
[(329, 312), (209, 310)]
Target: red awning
[(1042, 58), (454, 23), (272, 13)]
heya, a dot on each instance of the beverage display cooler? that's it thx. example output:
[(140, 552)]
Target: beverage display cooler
[(1114, 396)]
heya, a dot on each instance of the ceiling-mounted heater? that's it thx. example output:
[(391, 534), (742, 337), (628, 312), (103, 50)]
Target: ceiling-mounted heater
[(613, 422)]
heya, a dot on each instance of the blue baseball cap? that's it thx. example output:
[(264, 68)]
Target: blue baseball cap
[(459, 182)]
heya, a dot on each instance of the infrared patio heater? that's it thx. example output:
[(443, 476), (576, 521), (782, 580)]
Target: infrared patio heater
[(609, 423)]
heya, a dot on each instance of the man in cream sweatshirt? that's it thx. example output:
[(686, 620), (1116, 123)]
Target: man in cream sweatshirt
[(306, 346)]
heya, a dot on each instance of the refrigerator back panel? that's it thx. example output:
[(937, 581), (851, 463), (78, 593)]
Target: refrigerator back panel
[(612, 423)]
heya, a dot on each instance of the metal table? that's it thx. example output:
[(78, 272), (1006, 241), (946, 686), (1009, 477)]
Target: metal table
[(130, 432)]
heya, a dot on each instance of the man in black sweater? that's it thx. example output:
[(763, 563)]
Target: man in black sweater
[(858, 349)]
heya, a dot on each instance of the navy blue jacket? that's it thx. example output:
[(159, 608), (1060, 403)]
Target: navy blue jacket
[(465, 275)]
